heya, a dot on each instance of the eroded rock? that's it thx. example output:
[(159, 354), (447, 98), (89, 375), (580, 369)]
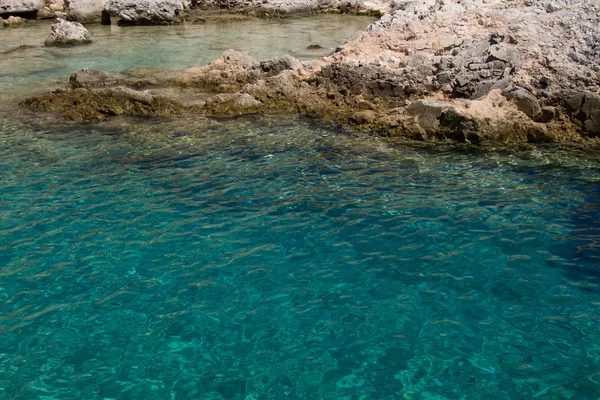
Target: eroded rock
[(66, 33), (92, 77), (86, 105), (27, 8), (146, 12), (525, 101), (84, 11)]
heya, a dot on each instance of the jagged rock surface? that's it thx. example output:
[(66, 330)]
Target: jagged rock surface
[(66, 33), (286, 7), (146, 12), (20, 6), (84, 11)]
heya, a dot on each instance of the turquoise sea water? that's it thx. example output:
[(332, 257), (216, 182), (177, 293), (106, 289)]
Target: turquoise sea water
[(248, 259)]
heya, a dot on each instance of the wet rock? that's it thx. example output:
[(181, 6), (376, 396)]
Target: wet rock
[(84, 11), (86, 105), (232, 104), (314, 47), (13, 21), (275, 65), (26, 8), (525, 101), (539, 134), (146, 12), (18, 48), (363, 117), (65, 33), (458, 127)]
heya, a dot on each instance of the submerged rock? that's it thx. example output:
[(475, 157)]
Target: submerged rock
[(146, 12), (65, 33), (86, 105), (13, 21)]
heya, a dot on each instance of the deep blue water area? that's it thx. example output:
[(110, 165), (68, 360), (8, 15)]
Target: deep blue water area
[(292, 260)]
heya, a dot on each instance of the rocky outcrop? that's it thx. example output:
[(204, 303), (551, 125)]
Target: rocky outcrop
[(65, 33), (295, 7), (146, 12), (464, 70), (85, 105), (26, 8), (84, 11)]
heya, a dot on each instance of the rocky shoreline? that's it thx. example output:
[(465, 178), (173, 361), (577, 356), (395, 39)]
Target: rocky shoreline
[(470, 71)]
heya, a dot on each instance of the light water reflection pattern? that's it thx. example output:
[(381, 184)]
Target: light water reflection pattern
[(257, 260)]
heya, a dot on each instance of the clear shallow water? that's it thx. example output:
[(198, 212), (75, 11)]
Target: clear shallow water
[(254, 260), (118, 48)]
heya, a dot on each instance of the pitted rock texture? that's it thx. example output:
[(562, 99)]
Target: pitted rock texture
[(10, 7), (146, 12), (65, 33), (289, 7)]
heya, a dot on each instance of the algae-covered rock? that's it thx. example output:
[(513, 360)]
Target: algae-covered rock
[(232, 104), (87, 105)]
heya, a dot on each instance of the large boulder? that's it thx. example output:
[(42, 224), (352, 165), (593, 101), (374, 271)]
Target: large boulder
[(84, 11), (65, 33), (10, 7), (146, 12)]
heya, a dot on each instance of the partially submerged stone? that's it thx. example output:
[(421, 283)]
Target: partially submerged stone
[(86, 105), (13, 21), (232, 104), (66, 33)]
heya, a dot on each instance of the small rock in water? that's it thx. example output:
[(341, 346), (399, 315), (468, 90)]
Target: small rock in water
[(13, 21), (315, 47), (65, 33)]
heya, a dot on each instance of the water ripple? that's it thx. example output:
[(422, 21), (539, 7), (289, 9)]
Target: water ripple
[(293, 260)]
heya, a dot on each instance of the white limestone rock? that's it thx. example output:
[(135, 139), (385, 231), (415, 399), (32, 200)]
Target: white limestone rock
[(66, 33)]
